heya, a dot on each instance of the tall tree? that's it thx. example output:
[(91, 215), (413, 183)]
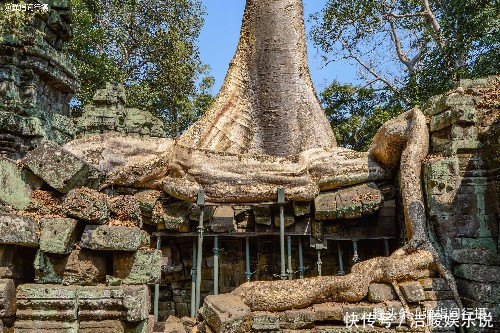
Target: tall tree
[(150, 45)]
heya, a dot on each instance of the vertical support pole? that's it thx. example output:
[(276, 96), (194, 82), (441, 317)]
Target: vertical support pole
[(341, 262), (201, 203), (157, 285), (289, 257), (193, 281), (216, 265), (281, 203), (386, 247), (301, 259), (248, 273), (355, 256), (319, 263)]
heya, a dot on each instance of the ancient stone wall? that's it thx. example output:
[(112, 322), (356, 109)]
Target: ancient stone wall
[(36, 80)]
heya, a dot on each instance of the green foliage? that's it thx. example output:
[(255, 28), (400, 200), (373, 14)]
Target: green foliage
[(412, 49), (356, 113), (150, 45)]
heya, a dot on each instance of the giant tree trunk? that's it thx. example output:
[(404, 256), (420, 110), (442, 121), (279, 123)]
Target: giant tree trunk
[(267, 104)]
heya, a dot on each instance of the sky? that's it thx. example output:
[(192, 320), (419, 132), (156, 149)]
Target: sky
[(220, 34)]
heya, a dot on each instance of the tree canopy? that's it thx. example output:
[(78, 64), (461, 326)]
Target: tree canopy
[(406, 52), (151, 46)]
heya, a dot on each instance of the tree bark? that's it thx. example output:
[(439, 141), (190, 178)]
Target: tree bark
[(267, 104)]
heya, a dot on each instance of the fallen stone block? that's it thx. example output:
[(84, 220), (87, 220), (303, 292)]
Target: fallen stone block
[(18, 230), (380, 292), (223, 219), (30, 326), (140, 267), (60, 169), (226, 314), (171, 325), (412, 291), (126, 209), (80, 267), (37, 302), (104, 326), (57, 235), (297, 319), (265, 321), (7, 298), (173, 216), (14, 184), (351, 202), (129, 303), (87, 205), (479, 273), (114, 238)]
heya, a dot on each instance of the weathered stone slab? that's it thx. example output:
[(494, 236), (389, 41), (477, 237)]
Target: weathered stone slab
[(226, 313), (173, 216), (297, 319), (80, 267), (431, 295), (60, 169), (30, 326), (479, 273), (171, 325), (379, 292), (436, 284), (412, 291), (57, 235), (265, 321), (47, 302), (263, 214), (208, 213), (87, 205), (15, 190), (476, 256), (140, 267), (7, 298), (18, 230), (223, 219), (126, 209), (328, 312), (301, 208), (147, 200), (351, 202), (104, 326), (479, 291), (115, 238), (288, 215), (129, 303)]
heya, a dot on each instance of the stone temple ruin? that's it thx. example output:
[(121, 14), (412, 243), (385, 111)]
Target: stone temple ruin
[(253, 220)]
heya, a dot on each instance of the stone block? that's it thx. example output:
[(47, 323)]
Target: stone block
[(173, 216), (479, 291), (80, 267), (436, 284), (13, 181), (129, 303), (301, 208), (104, 326), (263, 214), (208, 213), (479, 273), (39, 326), (380, 292), (226, 313), (126, 209), (37, 302), (297, 319), (147, 200), (351, 202), (57, 235), (223, 219), (431, 295), (412, 291), (18, 230), (476, 256), (265, 321), (7, 298), (140, 267), (60, 169), (328, 312), (289, 217), (114, 238), (87, 205)]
